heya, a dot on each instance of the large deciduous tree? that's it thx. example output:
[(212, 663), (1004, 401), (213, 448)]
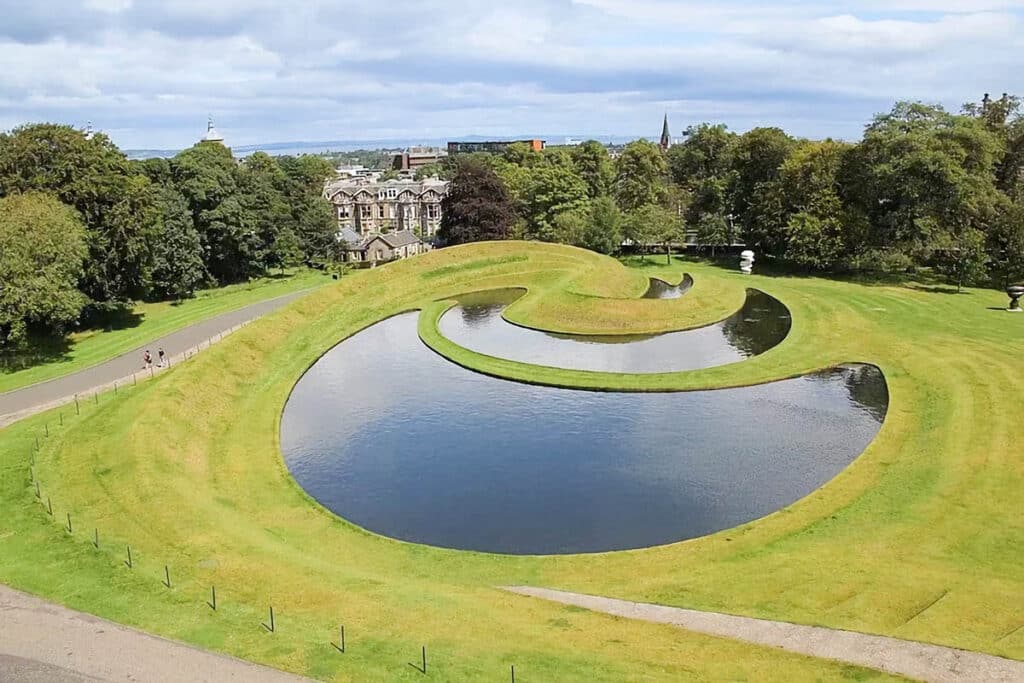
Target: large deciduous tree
[(178, 267), (640, 176), (477, 206), (553, 189), (42, 248), (594, 166), (91, 174), (925, 178)]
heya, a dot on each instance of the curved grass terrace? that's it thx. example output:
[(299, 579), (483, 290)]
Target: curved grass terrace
[(920, 538)]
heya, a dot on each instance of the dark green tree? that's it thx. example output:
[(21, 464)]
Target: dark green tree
[(477, 206), (640, 176), (178, 268), (603, 231), (553, 189), (757, 158), (42, 248), (91, 174), (595, 167)]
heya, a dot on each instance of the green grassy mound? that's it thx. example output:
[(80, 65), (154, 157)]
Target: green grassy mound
[(920, 538)]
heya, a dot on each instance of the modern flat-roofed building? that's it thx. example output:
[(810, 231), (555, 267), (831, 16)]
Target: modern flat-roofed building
[(418, 157), (492, 147), (367, 207)]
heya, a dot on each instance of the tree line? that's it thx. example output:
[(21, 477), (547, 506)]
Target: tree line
[(84, 231), (923, 188)]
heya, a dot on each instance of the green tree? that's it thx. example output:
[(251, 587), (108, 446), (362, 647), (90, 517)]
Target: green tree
[(594, 166), (705, 154), (603, 231), (962, 259), (712, 231), (477, 206), (313, 220), (42, 248), (923, 177), (640, 175), (650, 224), (553, 189), (91, 174), (757, 158), (177, 250)]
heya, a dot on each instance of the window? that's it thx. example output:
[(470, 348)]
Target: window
[(380, 210), (433, 212), (366, 211), (392, 193), (345, 211), (380, 254)]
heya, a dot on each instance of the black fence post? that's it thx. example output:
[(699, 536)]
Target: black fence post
[(96, 538), (47, 427), (61, 415), (38, 492), (78, 410), (49, 507), (341, 646), (129, 562), (167, 576), (271, 626), (513, 673), (97, 397), (70, 529), (213, 594)]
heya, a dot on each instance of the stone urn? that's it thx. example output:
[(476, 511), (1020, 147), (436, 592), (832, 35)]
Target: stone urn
[(747, 262), (1016, 292)]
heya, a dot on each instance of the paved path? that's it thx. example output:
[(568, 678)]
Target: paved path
[(903, 657), (20, 403), (43, 642)]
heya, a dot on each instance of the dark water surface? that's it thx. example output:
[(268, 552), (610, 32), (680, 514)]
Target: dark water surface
[(476, 324), (398, 440), (659, 289)]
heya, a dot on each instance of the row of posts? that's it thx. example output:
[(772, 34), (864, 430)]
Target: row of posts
[(270, 625)]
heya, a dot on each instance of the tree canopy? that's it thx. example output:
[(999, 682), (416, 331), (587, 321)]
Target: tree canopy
[(43, 246)]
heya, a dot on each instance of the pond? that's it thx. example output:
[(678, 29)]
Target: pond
[(396, 439), (659, 289), (476, 323)]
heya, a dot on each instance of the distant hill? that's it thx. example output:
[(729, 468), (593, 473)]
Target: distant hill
[(327, 146)]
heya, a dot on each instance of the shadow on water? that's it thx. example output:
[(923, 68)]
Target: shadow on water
[(422, 450), (476, 323)]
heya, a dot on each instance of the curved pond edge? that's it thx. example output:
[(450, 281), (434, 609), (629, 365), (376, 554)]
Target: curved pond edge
[(584, 383), (431, 335)]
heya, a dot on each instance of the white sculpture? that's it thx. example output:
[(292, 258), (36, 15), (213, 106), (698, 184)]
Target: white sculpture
[(747, 262)]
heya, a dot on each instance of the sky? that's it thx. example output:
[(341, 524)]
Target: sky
[(148, 72)]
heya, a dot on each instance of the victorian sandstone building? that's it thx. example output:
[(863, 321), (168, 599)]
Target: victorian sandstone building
[(401, 211)]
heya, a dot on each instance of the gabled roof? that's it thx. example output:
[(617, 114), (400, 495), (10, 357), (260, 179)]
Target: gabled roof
[(403, 238), (350, 237)]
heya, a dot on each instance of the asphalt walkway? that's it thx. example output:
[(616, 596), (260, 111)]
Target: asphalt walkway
[(903, 657), (22, 402), (43, 642)]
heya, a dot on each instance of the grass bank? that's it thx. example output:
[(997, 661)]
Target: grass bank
[(920, 538), (148, 321)]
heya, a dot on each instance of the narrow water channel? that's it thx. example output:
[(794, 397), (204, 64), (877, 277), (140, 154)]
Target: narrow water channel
[(476, 323)]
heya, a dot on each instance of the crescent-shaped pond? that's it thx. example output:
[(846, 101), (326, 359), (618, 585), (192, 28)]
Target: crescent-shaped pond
[(476, 323), (396, 439)]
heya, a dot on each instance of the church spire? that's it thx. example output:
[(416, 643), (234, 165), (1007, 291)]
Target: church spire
[(666, 137)]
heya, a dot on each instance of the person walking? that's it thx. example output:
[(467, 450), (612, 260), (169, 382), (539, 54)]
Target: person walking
[(147, 360), (160, 353)]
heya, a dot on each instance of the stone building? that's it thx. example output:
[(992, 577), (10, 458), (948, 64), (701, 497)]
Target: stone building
[(380, 248), (368, 207)]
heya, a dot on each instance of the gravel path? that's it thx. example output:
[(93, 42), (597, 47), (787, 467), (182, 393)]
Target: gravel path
[(902, 657), (23, 402), (44, 642)]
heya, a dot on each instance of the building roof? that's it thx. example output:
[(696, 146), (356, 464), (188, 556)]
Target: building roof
[(402, 238), (350, 237), (351, 186)]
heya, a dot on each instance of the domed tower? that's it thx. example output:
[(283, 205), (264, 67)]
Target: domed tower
[(212, 136)]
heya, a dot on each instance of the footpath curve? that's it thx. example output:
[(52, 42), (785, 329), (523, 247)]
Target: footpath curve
[(40, 641), (919, 661), (26, 401)]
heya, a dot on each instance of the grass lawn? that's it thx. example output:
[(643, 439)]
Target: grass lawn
[(153, 320), (921, 538)]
